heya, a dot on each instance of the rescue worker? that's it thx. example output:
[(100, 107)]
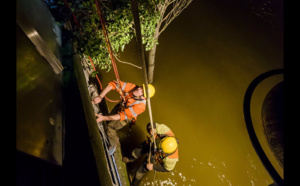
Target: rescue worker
[(133, 103), (163, 159)]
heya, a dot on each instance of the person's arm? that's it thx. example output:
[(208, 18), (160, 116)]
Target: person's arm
[(163, 130), (158, 167), (99, 98), (101, 118)]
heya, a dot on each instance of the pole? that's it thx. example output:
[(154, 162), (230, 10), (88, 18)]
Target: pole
[(134, 8)]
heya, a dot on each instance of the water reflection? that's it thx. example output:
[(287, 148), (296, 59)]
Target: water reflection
[(205, 61)]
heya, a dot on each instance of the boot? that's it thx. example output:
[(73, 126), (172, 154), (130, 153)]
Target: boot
[(135, 182), (112, 149), (127, 160)]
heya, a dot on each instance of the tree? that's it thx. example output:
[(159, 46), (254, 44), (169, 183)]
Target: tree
[(155, 16), (168, 10)]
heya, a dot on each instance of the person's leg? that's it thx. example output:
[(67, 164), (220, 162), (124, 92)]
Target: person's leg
[(112, 134), (112, 129), (141, 149), (140, 173)]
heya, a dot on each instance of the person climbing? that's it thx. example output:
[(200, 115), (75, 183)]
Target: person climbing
[(126, 111), (162, 159)]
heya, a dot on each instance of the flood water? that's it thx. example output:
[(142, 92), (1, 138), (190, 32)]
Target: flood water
[(205, 61)]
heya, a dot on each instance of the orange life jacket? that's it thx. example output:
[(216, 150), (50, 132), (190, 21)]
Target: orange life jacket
[(132, 105)]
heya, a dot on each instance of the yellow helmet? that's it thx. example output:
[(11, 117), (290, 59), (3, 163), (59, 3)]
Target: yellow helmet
[(168, 144), (151, 90)]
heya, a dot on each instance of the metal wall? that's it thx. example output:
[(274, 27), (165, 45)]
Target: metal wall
[(39, 127)]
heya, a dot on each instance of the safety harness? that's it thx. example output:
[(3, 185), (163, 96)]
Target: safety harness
[(159, 153)]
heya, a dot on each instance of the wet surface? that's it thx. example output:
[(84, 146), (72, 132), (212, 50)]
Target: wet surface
[(205, 61)]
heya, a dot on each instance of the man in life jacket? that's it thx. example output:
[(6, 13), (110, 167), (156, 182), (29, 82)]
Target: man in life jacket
[(133, 103), (162, 159)]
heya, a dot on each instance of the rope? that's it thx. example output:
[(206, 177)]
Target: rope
[(134, 5), (109, 47), (74, 17), (107, 40), (149, 154), (100, 81), (108, 44)]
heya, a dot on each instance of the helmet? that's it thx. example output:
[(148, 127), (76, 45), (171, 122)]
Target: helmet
[(151, 90), (168, 144)]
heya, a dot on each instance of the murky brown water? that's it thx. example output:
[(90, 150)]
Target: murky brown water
[(205, 61)]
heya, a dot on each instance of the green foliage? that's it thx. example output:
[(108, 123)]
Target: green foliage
[(119, 25), (93, 74), (149, 19)]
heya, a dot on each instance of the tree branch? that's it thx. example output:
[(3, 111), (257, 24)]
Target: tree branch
[(127, 63), (178, 7)]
